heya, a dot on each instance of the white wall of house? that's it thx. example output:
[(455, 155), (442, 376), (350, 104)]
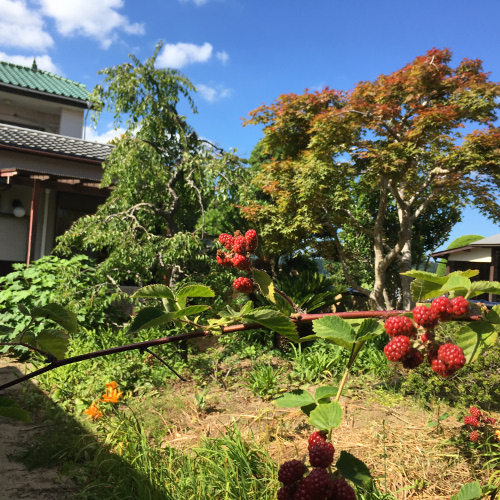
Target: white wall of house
[(474, 255), (72, 122)]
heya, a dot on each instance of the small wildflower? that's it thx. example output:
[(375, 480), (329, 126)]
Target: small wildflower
[(93, 412), (497, 434)]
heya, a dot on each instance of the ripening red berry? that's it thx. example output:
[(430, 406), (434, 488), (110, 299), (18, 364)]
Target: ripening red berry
[(251, 240), (475, 411), (318, 484), (474, 436), (470, 420), (288, 492), (243, 285), (240, 245), (342, 490), (452, 355), (321, 455), (442, 307), (315, 438), (290, 472), (413, 358), (226, 240), (396, 349), (224, 260), (460, 306), (241, 262), (400, 325), (424, 316)]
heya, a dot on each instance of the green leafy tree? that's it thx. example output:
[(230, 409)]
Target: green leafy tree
[(164, 179), (400, 139)]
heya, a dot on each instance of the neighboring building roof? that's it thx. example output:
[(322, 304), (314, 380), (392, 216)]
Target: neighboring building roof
[(41, 81), (491, 241), (18, 138)]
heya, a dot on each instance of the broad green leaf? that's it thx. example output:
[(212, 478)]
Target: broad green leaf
[(149, 317), (293, 399), (325, 392), (189, 310), (58, 314), (369, 328), (265, 283), (335, 330), (53, 341), (275, 321), (423, 290), (475, 337), (425, 276), (480, 287), (307, 409), (246, 308), (155, 292), (493, 315), (353, 468), (10, 408), (193, 291), (6, 330), (326, 416), (457, 284), (469, 491)]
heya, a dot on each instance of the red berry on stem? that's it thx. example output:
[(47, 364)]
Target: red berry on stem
[(251, 240), (442, 307), (241, 262), (243, 285), (321, 455), (470, 420), (226, 240), (425, 317), (240, 245), (315, 438), (396, 349), (400, 325), (318, 484), (474, 436), (342, 490), (475, 411), (413, 358), (460, 306), (452, 355), (291, 472)]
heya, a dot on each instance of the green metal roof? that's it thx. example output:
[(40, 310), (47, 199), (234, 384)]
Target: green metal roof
[(41, 81)]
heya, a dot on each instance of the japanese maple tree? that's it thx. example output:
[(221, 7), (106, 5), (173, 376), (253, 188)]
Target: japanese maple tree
[(421, 136)]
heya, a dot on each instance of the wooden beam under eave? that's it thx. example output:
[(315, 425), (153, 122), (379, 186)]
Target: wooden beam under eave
[(34, 210)]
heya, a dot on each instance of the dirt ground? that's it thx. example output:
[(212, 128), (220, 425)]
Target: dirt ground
[(17, 481), (409, 459)]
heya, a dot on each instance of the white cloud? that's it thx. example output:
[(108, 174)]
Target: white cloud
[(92, 135), (22, 27), (222, 56), (98, 19), (211, 94), (43, 62), (180, 54)]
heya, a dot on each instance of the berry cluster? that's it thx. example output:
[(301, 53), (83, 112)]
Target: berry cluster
[(319, 484), (238, 248), (404, 346), (477, 419)]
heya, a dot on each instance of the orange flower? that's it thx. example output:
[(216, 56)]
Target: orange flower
[(112, 394), (93, 412), (497, 432)]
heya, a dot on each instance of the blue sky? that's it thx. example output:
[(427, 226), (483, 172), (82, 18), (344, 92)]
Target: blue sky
[(242, 53)]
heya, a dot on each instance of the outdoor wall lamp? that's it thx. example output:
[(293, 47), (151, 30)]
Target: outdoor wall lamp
[(18, 209)]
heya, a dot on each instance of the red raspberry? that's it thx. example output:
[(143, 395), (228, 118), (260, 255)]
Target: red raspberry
[(243, 285), (251, 240), (397, 348), (413, 358), (490, 420), (474, 436), (424, 316), (440, 368), (475, 412), (452, 355), (470, 420), (315, 438), (460, 306), (442, 308), (321, 455), (425, 336), (291, 472), (224, 260), (400, 325), (317, 485), (240, 245), (241, 262), (287, 492), (226, 240), (342, 490)]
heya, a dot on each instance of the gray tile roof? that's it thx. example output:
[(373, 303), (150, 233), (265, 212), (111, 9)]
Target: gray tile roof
[(489, 241), (52, 143)]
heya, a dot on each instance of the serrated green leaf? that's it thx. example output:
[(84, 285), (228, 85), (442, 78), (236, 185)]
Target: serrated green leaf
[(155, 292), (480, 287), (246, 308), (335, 330), (57, 313), (326, 417), (458, 284), (475, 337), (426, 276), (294, 399), (189, 310), (53, 341), (193, 291), (265, 284), (423, 290), (469, 491), (307, 409), (368, 329), (353, 469), (149, 317), (275, 321), (325, 392), (493, 315)]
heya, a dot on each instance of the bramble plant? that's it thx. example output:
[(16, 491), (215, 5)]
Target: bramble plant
[(412, 334)]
